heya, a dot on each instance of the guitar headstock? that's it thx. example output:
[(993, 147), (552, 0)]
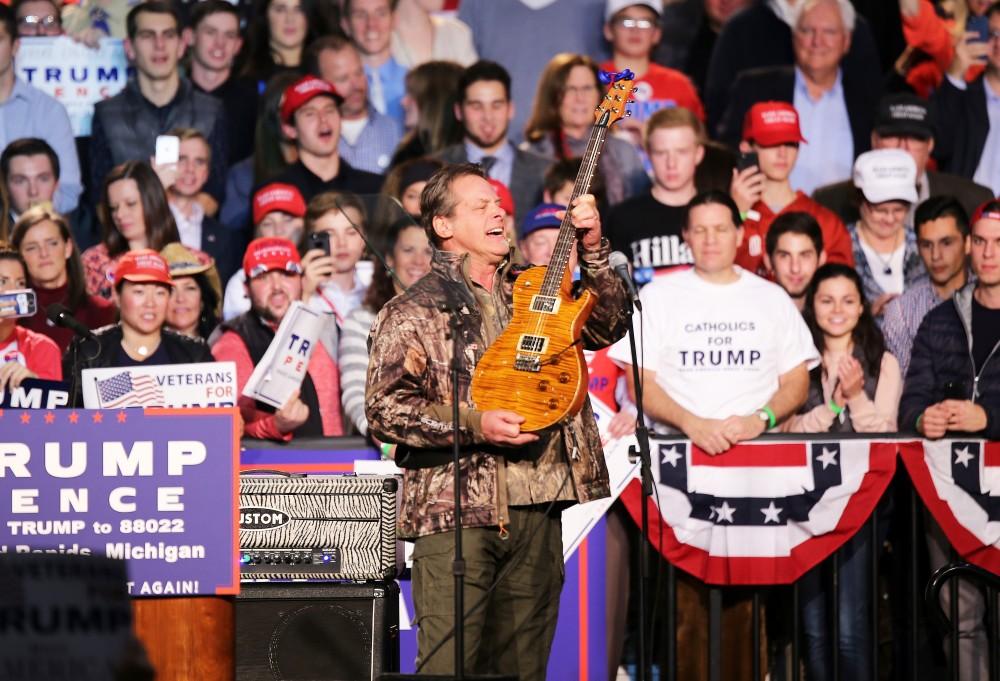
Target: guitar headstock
[(614, 106)]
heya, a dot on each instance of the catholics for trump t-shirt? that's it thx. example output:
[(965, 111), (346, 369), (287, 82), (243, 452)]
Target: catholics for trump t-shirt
[(718, 349)]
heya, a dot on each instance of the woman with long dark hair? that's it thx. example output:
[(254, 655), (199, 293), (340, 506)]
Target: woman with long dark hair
[(273, 152), (278, 35), (44, 240), (429, 110), (856, 388), (569, 91), (134, 215), (408, 253)]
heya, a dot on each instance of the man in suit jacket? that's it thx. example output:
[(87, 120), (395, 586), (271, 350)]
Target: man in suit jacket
[(967, 146), (485, 110), (905, 121), (834, 104)]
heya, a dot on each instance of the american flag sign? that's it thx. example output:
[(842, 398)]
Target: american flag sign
[(126, 389)]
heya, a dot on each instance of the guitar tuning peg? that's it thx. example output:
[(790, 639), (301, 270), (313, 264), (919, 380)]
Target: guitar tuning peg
[(618, 98), (628, 113)]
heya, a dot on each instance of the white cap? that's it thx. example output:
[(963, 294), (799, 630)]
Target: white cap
[(886, 175), (613, 7)]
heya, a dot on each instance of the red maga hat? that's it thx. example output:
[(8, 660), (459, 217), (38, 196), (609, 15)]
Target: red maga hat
[(269, 253), (302, 91), (143, 266), (278, 196), (772, 123)]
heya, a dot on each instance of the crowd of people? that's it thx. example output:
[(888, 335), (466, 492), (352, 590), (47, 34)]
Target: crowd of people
[(811, 217)]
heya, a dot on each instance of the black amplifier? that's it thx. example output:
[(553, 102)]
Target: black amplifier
[(318, 527)]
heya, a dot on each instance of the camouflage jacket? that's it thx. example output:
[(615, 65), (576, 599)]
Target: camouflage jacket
[(408, 399)]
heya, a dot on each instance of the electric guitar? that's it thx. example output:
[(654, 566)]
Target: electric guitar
[(536, 367)]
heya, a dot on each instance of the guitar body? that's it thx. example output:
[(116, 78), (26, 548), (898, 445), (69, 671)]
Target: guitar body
[(536, 367)]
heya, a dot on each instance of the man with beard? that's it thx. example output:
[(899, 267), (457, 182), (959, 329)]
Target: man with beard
[(485, 110), (274, 280)]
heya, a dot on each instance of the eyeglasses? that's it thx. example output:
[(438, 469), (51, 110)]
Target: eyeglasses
[(579, 90), (638, 24), (33, 24)]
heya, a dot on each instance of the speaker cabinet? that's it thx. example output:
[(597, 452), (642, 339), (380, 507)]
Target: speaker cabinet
[(317, 631)]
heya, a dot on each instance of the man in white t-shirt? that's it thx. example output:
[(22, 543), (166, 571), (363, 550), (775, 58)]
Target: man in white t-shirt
[(726, 353)]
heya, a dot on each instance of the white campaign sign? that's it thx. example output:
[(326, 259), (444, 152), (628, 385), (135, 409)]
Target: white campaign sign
[(283, 367), (206, 384), (76, 75)]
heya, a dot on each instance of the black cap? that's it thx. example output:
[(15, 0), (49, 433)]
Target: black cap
[(904, 114)]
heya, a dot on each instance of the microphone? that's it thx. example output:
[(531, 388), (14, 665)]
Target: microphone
[(61, 316), (619, 263)]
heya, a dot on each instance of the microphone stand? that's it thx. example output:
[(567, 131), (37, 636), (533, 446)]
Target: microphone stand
[(458, 564), (641, 450)]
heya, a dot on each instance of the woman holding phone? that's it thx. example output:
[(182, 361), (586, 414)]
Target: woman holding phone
[(855, 389), (23, 353)]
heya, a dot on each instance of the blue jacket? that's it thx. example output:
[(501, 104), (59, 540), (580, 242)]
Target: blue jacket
[(942, 354)]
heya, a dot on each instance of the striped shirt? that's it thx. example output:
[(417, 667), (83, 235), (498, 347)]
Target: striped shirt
[(353, 362), (372, 149), (902, 318)]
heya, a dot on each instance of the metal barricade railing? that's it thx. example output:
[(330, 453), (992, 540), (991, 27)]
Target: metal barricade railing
[(915, 602)]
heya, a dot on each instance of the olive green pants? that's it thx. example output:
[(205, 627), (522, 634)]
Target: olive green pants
[(511, 633)]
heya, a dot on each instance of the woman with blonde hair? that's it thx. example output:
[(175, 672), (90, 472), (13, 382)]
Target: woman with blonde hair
[(569, 91)]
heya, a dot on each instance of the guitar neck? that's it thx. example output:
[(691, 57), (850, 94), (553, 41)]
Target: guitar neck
[(566, 242)]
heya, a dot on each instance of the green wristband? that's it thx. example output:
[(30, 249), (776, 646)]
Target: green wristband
[(771, 421), (386, 450), (834, 407)]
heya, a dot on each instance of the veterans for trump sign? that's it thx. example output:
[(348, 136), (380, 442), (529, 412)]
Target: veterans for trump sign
[(76, 75), (205, 384), (157, 488)]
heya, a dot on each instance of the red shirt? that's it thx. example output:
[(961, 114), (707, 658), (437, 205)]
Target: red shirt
[(34, 351), (836, 239), (932, 35), (260, 424), (661, 87)]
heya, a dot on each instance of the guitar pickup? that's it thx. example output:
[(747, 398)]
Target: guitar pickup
[(532, 344), (545, 304)]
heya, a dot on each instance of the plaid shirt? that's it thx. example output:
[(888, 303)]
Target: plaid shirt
[(374, 147), (902, 318)]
